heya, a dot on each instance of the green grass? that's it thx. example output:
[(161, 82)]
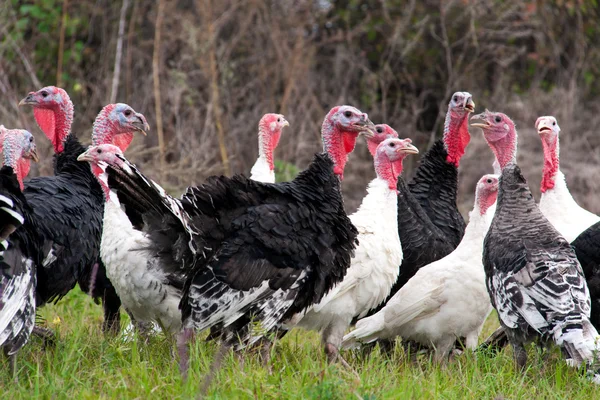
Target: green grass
[(86, 365)]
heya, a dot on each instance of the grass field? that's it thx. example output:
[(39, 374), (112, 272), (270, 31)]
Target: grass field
[(86, 365)]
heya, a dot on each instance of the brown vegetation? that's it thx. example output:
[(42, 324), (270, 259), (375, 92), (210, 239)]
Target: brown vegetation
[(220, 65)]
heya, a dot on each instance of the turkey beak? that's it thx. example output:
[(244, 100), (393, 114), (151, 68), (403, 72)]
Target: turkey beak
[(469, 105), (141, 124), (29, 100), (480, 117), (85, 156), (544, 127), (34, 155), (285, 123), (408, 149), (367, 128)]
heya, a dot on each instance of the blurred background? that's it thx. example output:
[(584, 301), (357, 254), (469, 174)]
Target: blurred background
[(204, 72)]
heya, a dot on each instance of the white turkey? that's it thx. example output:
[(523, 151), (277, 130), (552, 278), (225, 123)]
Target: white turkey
[(374, 267), (557, 203), (269, 132), (444, 300)]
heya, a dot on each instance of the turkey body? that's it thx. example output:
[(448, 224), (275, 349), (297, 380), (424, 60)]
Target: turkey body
[(142, 286), (559, 207), (21, 252), (68, 209), (533, 277), (444, 300), (429, 223), (587, 249), (373, 271)]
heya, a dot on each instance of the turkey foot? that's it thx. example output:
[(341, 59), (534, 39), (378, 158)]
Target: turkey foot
[(333, 355), (183, 342), (214, 368)]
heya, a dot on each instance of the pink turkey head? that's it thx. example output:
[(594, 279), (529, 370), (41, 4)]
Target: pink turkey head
[(548, 129), (18, 148), (53, 112), (116, 124), (382, 132), (341, 127), (486, 192), (269, 132), (100, 157), (500, 134), (388, 159)]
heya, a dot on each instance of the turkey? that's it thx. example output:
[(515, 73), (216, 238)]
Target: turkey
[(533, 277), (68, 206), (21, 248), (429, 223), (444, 300), (269, 132), (556, 202), (260, 252), (148, 294), (374, 267)]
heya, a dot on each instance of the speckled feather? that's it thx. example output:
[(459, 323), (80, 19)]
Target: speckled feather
[(17, 269), (533, 277), (264, 251)]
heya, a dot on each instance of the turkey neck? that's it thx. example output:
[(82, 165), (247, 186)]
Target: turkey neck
[(19, 165), (267, 142), (56, 123), (456, 135), (505, 149), (337, 144), (551, 163)]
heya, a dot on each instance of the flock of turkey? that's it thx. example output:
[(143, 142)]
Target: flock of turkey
[(249, 258)]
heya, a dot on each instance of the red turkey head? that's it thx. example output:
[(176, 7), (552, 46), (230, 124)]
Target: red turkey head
[(548, 129), (382, 132), (116, 124), (486, 192), (456, 129), (388, 159), (500, 134), (269, 132), (53, 112), (18, 148), (341, 127)]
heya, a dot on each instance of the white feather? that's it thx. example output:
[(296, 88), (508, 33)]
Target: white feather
[(261, 171), (374, 268), (445, 300), (559, 207)]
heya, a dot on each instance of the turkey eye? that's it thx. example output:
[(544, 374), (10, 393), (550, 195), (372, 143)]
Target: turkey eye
[(30, 139), (554, 123), (278, 119), (348, 114), (456, 99), (392, 144), (489, 181), (44, 94), (379, 130), (127, 113), (498, 119), (99, 151)]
